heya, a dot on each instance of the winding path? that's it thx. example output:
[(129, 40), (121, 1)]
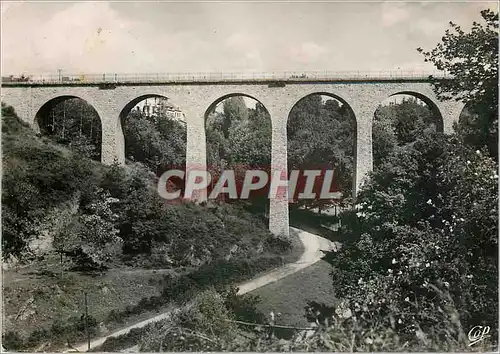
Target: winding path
[(313, 247)]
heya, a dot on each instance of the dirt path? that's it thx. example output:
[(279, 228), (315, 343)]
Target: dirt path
[(313, 247)]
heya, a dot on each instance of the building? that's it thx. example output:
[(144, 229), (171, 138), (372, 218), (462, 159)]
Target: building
[(160, 107)]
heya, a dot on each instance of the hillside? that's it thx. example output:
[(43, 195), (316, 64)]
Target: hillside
[(73, 226)]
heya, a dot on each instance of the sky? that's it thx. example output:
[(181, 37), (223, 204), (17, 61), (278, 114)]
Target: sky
[(164, 37)]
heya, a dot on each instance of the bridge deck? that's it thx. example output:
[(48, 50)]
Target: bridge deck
[(218, 78)]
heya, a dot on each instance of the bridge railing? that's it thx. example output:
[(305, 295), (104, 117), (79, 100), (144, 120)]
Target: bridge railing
[(220, 76)]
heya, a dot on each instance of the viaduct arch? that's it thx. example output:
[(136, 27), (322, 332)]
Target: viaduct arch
[(344, 103), (195, 98), (220, 100)]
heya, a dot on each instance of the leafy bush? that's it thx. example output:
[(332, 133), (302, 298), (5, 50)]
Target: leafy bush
[(157, 141), (61, 331), (243, 307), (114, 344), (12, 341), (119, 208), (91, 237), (422, 246)]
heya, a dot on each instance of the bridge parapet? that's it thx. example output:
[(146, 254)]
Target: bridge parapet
[(222, 77)]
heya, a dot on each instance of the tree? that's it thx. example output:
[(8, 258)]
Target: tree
[(422, 246), (472, 59), (235, 110), (239, 138), (384, 138), (251, 141), (399, 124), (74, 123), (158, 141), (37, 177), (321, 136)]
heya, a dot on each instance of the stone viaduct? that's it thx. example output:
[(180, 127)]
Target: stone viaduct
[(113, 99)]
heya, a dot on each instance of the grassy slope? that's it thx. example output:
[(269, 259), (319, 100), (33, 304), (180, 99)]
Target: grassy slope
[(38, 295), (131, 339), (290, 295), (35, 299)]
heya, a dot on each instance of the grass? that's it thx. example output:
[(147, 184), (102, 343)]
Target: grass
[(293, 255), (130, 339), (290, 295), (37, 296)]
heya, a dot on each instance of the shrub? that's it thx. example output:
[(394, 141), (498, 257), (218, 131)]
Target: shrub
[(12, 341), (36, 177), (114, 344), (37, 337), (243, 307), (422, 245)]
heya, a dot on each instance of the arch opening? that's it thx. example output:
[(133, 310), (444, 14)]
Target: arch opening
[(73, 122), (321, 135), (400, 120), (433, 108), (154, 134), (238, 131)]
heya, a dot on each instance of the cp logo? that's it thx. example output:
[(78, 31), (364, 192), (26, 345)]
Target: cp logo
[(478, 333)]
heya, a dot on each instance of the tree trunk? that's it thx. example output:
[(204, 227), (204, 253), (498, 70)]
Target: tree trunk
[(64, 118)]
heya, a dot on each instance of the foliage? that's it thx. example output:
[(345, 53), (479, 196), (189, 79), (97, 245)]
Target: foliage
[(12, 341), (419, 264), (158, 141), (204, 324), (399, 124), (117, 216), (239, 138), (321, 135), (116, 210), (74, 123), (234, 110), (250, 140), (92, 237), (219, 274), (472, 59), (192, 234), (422, 245), (60, 333), (243, 307), (36, 178), (416, 272)]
